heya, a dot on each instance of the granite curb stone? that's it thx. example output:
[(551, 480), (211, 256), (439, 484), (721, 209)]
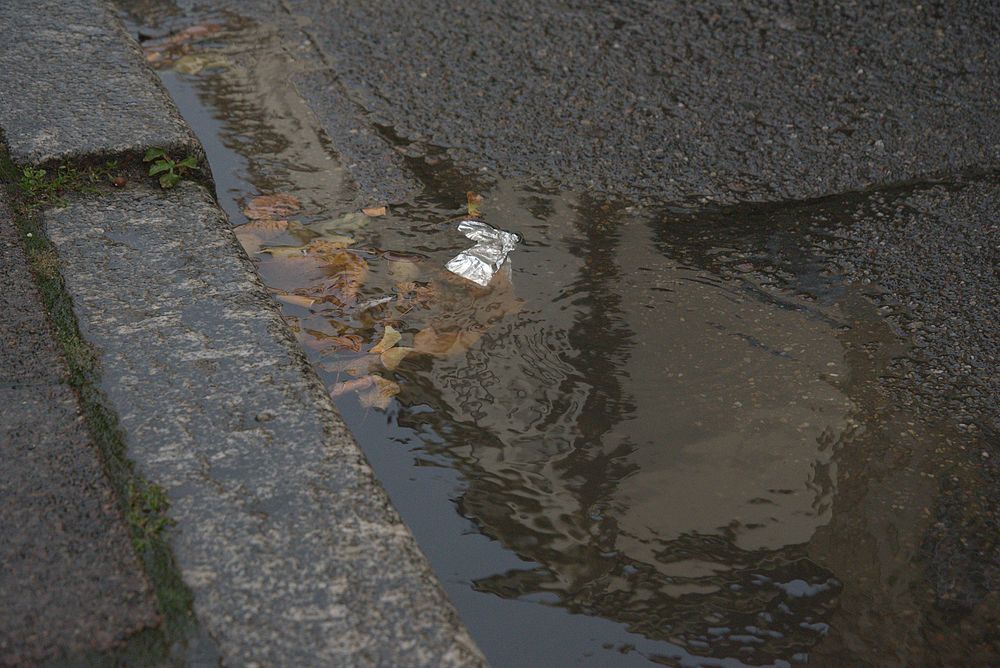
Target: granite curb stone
[(291, 548)]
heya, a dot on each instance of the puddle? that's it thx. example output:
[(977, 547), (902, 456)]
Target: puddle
[(654, 438)]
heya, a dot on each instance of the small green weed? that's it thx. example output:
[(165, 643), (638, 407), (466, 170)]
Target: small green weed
[(170, 171), (147, 508), (41, 187)]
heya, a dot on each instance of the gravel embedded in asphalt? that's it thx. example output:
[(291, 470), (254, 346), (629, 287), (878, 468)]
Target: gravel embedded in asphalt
[(760, 101)]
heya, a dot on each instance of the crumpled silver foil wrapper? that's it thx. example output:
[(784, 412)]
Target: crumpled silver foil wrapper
[(481, 262)]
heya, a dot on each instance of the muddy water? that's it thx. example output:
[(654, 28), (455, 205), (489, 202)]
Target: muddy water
[(657, 436)]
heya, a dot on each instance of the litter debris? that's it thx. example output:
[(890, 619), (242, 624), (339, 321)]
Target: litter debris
[(479, 263)]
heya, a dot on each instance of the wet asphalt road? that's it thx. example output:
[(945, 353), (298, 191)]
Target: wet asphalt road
[(723, 103), (719, 100)]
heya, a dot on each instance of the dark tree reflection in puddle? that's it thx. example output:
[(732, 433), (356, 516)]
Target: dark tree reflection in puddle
[(672, 420)]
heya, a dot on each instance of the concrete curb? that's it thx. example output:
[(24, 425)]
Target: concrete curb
[(76, 88), (286, 539)]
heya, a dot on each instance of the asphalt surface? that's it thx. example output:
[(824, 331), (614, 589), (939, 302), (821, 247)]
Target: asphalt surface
[(673, 101), (932, 258), (729, 103), (70, 581)]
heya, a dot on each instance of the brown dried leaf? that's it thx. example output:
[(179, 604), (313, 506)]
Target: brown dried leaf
[(297, 300), (452, 342), (389, 338), (381, 393), (328, 246), (429, 340), (271, 207), (392, 357), (354, 385), (351, 342), (348, 270), (254, 234), (187, 35), (374, 211)]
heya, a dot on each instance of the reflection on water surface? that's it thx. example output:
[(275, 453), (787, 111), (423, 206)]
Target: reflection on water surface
[(653, 438)]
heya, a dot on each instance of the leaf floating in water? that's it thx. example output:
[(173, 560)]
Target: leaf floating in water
[(392, 357), (354, 385), (473, 201), (194, 64), (254, 234), (165, 50), (380, 395), (389, 338), (348, 271), (351, 342), (271, 207), (373, 391), (374, 211), (349, 222), (297, 300)]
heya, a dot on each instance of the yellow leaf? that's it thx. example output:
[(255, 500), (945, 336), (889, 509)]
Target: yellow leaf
[(392, 357), (297, 300), (192, 64), (374, 211), (389, 338), (473, 201)]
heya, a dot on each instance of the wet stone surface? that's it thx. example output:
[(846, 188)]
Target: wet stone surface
[(279, 520), (70, 581), (50, 113)]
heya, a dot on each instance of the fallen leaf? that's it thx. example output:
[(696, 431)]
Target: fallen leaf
[(271, 207), (163, 51), (193, 64), (325, 246), (380, 394), (351, 342), (348, 271), (403, 270), (254, 234), (354, 385), (297, 300), (374, 211), (189, 34), (429, 340), (348, 222), (353, 367), (392, 357), (389, 338), (473, 201), (452, 342)]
